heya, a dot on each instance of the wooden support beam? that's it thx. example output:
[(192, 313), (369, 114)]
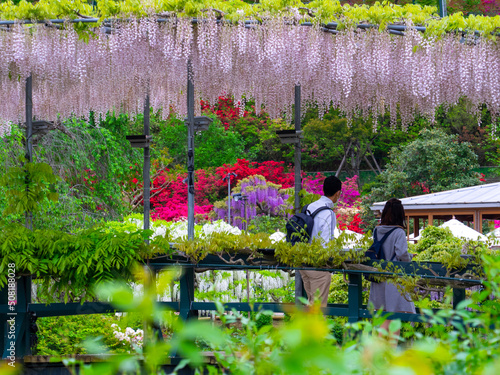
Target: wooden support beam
[(478, 224)]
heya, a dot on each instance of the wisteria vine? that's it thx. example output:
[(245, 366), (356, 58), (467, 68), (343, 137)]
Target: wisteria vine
[(362, 72)]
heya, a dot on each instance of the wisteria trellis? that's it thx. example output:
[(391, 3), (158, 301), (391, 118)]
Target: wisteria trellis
[(359, 72)]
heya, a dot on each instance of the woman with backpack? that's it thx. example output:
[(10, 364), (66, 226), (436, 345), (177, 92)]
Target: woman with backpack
[(385, 295)]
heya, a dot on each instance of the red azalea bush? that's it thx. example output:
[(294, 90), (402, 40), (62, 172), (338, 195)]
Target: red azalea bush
[(467, 7), (171, 203), (490, 7), (272, 171), (207, 186), (420, 187), (353, 225), (177, 210), (225, 110)]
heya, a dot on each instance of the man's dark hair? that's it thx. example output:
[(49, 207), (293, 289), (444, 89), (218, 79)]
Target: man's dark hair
[(331, 185), (393, 213)]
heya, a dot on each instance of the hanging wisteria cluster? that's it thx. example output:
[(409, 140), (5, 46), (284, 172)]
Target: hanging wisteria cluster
[(108, 73), (361, 72)]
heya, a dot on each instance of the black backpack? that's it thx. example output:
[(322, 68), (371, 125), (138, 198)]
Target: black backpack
[(375, 251), (299, 227)]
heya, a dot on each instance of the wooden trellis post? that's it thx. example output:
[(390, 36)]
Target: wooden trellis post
[(190, 163), (29, 142)]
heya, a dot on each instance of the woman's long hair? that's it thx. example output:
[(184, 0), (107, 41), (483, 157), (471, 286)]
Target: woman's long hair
[(393, 213)]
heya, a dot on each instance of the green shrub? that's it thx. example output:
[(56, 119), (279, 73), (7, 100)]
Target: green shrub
[(439, 245), (338, 289), (267, 224), (337, 329), (65, 335), (262, 318), (70, 266), (438, 162), (62, 335)]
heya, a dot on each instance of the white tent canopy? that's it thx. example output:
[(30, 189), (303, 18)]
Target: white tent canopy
[(463, 231), (460, 230), (337, 233), (494, 233)]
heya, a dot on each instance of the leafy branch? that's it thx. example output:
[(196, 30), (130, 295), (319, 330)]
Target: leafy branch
[(27, 186)]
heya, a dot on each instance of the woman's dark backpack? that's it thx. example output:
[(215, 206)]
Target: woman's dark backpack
[(299, 227), (375, 251)]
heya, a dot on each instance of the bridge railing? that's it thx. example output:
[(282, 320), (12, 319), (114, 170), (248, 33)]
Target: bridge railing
[(18, 327)]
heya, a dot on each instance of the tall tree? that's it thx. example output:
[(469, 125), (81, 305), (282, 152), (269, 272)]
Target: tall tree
[(433, 162), (332, 144)]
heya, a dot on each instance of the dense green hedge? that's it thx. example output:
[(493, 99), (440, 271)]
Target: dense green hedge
[(68, 266)]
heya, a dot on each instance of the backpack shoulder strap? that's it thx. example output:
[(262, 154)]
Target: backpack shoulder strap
[(319, 210), (304, 209), (387, 235), (394, 256)]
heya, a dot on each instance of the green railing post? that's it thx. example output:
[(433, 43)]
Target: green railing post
[(187, 293), (458, 296), (354, 292), (23, 299), (19, 318), (3, 322)]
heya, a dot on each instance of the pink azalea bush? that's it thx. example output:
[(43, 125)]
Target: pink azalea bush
[(350, 196), (313, 185), (350, 193), (348, 206)]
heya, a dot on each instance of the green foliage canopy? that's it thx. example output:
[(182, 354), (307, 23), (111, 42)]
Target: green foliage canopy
[(214, 147), (70, 265), (324, 10)]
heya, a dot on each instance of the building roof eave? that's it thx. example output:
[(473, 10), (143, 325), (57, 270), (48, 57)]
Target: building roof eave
[(379, 206)]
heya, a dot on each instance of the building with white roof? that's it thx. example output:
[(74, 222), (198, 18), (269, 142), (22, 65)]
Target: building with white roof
[(470, 205)]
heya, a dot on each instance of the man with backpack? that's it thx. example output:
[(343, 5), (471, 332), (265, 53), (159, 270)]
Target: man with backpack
[(324, 227)]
